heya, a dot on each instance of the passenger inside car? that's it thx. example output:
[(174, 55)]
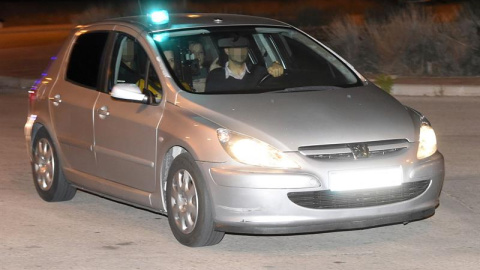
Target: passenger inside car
[(199, 75), (196, 48)]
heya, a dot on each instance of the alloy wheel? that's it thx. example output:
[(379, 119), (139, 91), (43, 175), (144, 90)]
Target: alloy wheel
[(184, 201), (44, 164)]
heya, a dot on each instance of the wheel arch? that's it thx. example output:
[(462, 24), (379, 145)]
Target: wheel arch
[(35, 128), (168, 158)]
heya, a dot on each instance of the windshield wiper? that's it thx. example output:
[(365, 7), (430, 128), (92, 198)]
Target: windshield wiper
[(306, 89)]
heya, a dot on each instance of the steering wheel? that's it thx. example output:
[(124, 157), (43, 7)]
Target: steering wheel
[(269, 76), (266, 77)]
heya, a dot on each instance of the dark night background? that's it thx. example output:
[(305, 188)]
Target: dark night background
[(393, 37), (296, 11)]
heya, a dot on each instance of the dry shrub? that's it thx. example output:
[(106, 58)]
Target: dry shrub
[(351, 42), (411, 42), (404, 42)]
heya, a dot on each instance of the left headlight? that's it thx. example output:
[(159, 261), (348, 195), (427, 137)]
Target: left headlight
[(428, 142), (251, 151)]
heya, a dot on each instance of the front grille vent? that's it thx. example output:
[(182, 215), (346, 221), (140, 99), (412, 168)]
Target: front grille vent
[(327, 199), (347, 151)]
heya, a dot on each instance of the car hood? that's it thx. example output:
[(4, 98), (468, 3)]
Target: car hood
[(294, 119)]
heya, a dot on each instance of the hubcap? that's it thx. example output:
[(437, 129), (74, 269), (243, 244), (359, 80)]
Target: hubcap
[(184, 201), (44, 164)]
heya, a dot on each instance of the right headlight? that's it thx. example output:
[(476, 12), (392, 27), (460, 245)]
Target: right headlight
[(428, 142), (251, 151)]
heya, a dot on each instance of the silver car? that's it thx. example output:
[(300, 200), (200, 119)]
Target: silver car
[(227, 123)]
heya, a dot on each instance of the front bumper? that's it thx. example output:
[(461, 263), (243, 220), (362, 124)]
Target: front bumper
[(256, 203), (326, 226)]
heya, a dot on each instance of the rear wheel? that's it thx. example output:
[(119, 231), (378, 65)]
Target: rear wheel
[(47, 173), (189, 208)]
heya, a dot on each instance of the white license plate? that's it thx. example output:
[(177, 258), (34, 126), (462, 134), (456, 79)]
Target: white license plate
[(365, 178)]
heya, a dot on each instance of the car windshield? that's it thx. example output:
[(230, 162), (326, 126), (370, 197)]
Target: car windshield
[(232, 60)]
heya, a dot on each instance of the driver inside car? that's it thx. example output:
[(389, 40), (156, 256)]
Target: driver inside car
[(236, 74)]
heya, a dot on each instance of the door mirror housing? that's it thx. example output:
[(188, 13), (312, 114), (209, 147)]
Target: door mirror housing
[(129, 92)]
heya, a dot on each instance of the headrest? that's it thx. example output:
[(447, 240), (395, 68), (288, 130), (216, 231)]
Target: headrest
[(233, 42)]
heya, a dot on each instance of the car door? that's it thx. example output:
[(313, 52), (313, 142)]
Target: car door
[(126, 132), (72, 99)]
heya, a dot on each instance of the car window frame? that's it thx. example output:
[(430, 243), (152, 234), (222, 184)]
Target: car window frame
[(103, 60)]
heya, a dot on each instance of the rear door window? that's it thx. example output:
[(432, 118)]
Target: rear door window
[(86, 58)]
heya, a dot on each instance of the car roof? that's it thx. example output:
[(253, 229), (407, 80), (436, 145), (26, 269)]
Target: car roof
[(194, 20)]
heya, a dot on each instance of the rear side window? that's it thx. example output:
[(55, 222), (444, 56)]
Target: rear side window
[(85, 59)]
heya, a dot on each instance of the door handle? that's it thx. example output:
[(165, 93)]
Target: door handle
[(57, 99), (103, 112)]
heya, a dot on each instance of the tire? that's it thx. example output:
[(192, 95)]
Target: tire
[(189, 208), (47, 173)]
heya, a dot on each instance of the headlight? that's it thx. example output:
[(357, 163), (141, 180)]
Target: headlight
[(428, 142), (251, 151)]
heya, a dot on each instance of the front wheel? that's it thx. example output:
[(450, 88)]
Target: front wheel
[(48, 177), (189, 208)]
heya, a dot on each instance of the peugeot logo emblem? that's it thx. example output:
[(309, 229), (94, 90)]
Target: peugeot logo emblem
[(359, 150)]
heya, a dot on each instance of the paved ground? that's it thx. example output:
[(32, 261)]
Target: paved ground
[(90, 232)]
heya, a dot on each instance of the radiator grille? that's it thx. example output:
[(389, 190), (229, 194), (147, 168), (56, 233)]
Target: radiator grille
[(344, 151)]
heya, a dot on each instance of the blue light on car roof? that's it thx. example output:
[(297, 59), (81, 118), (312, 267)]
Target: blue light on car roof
[(161, 37), (159, 17)]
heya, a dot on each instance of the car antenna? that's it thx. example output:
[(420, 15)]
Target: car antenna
[(140, 6)]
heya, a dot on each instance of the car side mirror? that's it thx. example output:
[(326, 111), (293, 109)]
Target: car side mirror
[(129, 92)]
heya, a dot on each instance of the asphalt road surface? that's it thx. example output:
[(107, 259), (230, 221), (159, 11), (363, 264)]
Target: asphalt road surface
[(90, 232)]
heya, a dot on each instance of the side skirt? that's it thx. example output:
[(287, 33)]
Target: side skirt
[(111, 190)]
